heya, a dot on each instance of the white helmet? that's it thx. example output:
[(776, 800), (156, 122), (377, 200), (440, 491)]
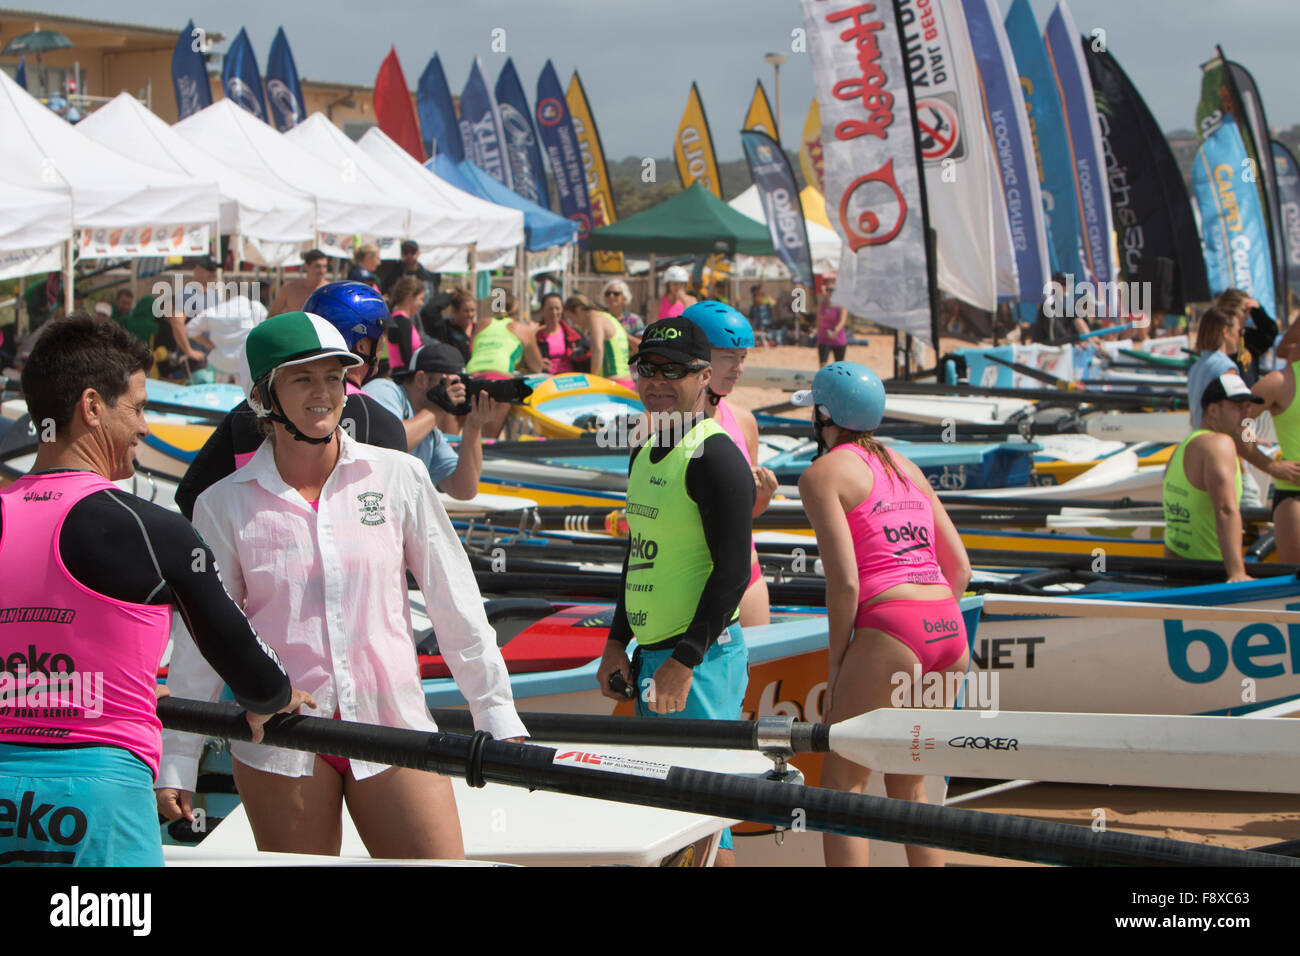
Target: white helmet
[(676, 274)]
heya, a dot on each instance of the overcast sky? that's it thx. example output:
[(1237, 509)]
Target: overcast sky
[(637, 58)]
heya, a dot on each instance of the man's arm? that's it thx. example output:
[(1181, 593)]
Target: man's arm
[(389, 395), (722, 487), (1219, 475), (177, 322), (462, 483)]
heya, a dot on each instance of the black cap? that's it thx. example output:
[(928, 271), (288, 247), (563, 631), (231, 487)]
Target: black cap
[(1228, 387), (435, 357), (410, 245), (678, 339)]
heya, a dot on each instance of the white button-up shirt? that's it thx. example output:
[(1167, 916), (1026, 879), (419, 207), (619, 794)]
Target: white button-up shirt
[(327, 590)]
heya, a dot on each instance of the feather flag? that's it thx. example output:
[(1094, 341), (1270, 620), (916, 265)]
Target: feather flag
[(240, 77), (283, 90), (393, 107)]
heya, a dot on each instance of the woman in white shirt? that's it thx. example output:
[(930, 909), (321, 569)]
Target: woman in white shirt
[(316, 533)]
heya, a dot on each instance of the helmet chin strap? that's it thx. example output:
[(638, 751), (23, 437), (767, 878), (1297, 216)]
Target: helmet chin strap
[(714, 397), (276, 414), (818, 430)]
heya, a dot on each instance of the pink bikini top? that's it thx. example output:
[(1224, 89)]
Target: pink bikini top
[(727, 419), (893, 532)]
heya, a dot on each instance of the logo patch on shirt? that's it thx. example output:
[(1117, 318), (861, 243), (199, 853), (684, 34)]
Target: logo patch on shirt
[(372, 512)]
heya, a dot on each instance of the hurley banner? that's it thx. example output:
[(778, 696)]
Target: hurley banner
[(693, 148), (810, 148), (555, 127), (599, 192), (1013, 147), (1288, 197), (870, 154), (393, 110), (189, 74), (1047, 126), (523, 152), (771, 172), (283, 91), (438, 113), (1086, 164), (759, 116), (954, 149), (1232, 217), (240, 77), (480, 127), (1149, 203)]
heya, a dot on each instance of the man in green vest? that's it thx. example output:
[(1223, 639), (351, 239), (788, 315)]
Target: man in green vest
[(1202, 482), (690, 501)]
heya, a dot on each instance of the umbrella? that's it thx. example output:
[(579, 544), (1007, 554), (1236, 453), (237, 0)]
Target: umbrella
[(38, 41)]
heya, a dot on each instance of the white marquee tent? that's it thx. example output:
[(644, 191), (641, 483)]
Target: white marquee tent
[(444, 228), (501, 230), (35, 225), (344, 206), (121, 207), (274, 224)]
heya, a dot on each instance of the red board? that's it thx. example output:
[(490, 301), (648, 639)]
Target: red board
[(566, 639)]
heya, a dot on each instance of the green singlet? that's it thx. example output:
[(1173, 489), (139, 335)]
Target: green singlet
[(495, 349), (1287, 424), (1190, 530), (616, 351), (669, 560)]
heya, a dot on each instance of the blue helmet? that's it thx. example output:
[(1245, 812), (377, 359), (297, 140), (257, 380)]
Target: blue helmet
[(725, 327), (851, 394), (354, 308)]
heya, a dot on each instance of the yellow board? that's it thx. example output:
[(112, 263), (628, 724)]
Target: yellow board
[(810, 152), (1062, 471), (526, 419)]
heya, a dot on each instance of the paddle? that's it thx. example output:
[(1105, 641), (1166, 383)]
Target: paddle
[(481, 759), (1143, 750)]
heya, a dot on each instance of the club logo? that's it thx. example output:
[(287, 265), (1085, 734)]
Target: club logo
[(873, 216), (550, 111), (372, 511)]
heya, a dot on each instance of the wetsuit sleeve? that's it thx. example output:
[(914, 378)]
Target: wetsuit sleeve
[(215, 460), (435, 556), (722, 486), (201, 651), (619, 629)]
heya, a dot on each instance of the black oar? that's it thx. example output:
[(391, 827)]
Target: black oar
[(481, 759), (1110, 399)]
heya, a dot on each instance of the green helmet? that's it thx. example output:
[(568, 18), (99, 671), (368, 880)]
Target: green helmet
[(292, 338)]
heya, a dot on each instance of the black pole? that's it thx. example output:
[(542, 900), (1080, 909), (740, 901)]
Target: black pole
[(480, 759)]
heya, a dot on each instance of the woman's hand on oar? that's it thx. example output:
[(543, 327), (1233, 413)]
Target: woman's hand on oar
[(296, 700)]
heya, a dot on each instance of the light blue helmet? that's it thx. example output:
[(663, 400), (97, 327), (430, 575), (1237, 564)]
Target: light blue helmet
[(725, 327), (850, 393)]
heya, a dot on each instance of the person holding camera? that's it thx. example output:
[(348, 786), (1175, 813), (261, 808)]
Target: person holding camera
[(434, 383)]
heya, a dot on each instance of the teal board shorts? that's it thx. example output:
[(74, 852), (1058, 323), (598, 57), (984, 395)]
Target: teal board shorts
[(77, 806), (718, 684)]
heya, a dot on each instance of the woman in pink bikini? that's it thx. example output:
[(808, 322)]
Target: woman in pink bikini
[(831, 333), (405, 303), (895, 567)]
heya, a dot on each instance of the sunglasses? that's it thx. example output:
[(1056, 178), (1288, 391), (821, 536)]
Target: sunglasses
[(612, 292), (672, 371)]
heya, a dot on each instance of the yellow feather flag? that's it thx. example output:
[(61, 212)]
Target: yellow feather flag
[(599, 190), (693, 148), (759, 116), (810, 148)]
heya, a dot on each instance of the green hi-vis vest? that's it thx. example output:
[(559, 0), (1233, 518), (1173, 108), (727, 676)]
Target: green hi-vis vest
[(1287, 424), (616, 352), (1190, 530), (495, 349), (669, 560)]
